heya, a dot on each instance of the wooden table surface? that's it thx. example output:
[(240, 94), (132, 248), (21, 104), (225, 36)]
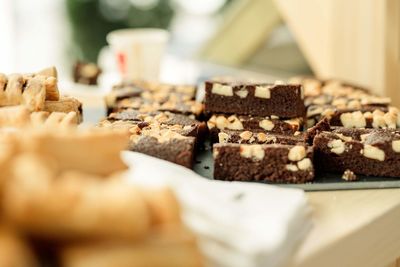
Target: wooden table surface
[(352, 228)]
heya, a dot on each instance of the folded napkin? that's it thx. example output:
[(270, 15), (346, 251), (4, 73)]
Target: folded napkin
[(238, 224)]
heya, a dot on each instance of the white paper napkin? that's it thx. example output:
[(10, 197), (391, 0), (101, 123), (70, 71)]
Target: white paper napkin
[(238, 224)]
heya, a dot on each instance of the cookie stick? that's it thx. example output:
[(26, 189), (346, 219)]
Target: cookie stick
[(73, 205), (166, 248), (13, 89), (14, 251), (163, 205), (14, 116), (51, 75), (34, 94), (73, 149), (3, 83)]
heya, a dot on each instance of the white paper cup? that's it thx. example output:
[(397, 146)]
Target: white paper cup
[(138, 52)]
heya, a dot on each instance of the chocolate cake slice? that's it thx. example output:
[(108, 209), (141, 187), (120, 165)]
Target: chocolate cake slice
[(257, 137), (257, 99), (272, 163), (174, 143), (151, 97), (273, 124), (372, 152)]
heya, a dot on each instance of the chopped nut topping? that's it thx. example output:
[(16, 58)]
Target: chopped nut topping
[(242, 93), (297, 153), (267, 125), (246, 135), (348, 175), (336, 146), (343, 137), (373, 152), (291, 167), (223, 137), (353, 120), (255, 152), (304, 164), (396, 146), (262, 137), (390, 120)]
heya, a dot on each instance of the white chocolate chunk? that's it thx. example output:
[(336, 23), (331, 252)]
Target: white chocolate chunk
[(373, 152), (267, 125), (263, 92), (304, 164), (336, 146), (221, 89), (297, 153), (255, 152), (223, 137), (353, 120), (396, 146), (291, 167), (242, 93)]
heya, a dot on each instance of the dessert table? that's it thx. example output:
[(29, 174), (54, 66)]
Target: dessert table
[(350, 227)]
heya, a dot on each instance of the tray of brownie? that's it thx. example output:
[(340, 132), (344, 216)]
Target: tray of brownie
[(305, 133)]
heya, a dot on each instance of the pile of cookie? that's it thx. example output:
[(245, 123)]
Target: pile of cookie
[(34, 99), (162, 119), (65, 198)]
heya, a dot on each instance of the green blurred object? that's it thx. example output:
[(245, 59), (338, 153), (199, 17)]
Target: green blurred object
[(91, 20)]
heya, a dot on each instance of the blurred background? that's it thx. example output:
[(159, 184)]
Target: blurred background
[(357, 40)]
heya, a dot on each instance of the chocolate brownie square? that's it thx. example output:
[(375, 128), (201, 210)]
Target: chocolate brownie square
[(256, 99), (271, 163), (161, 117), (272, 124), (373, 152), (257, 137), (174, 143), (153, 97)]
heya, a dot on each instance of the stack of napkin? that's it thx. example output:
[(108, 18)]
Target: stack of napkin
[(238, 224)]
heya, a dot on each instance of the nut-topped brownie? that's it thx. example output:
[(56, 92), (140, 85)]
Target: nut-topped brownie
[(331, 99), (374, 152), (174, 143), (151, 97), (272, 163), (257, 99), (272, 124), (187, 107), (257, 137), (160, 117)]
